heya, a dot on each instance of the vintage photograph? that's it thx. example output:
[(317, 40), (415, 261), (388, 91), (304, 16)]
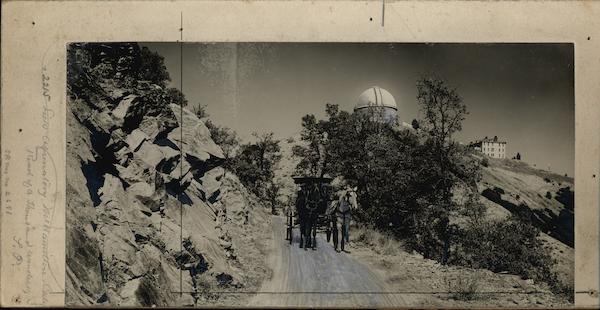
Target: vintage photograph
[(320, 174)]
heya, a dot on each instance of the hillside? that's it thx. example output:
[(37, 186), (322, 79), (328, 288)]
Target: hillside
[(152, 220), (547, 199)]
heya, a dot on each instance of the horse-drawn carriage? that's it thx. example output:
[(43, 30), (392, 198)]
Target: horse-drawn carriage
[(312, 201)]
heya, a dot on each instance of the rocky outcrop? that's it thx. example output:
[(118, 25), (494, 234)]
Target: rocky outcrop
[(146, 208)]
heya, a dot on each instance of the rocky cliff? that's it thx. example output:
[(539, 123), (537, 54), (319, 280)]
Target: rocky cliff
[(151, 217)]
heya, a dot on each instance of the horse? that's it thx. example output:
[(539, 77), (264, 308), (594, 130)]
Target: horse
[(340, 213), (309, 204)]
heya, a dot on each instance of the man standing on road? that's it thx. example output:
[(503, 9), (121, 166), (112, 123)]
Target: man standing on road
[(343, 213)]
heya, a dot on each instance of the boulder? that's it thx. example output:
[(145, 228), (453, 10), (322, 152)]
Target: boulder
[(211, 183), (175, 174), (150, 154), (162, 158), (170, 161), (197, 141), (117, 140), (136, 170), (122, 156), (157, 127), (148, 197), (111, 190), (135, 139), (117, 243), (141, 189), (127, 293), (150, 114), (102, 121), (120, 111), (170, 233)]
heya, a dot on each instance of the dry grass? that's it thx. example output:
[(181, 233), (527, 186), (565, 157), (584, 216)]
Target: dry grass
[(205, 286), (464, 287), (380, 243), (523, 167)]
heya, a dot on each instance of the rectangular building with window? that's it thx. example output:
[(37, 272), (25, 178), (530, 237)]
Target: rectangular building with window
[(490, 147)]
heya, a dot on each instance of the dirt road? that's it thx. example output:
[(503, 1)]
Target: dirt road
[(319, 277)]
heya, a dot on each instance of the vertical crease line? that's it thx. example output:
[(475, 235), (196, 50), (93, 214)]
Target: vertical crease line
[(181, 150), (383, 13)]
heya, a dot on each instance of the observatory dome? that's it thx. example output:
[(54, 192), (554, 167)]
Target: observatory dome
[(376, 97), (378, 104)]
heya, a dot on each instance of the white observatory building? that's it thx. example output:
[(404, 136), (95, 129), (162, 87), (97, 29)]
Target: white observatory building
[(378, 103)]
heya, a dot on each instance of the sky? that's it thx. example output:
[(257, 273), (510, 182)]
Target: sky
[(522, 93)]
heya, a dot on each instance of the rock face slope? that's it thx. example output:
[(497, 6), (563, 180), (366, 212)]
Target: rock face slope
[(147, 209)]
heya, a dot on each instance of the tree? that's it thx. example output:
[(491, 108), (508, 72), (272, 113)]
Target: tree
[(314, 155), (255, 166), (444, 113), (373, 156), (152, 67), (200, 111), (272, 191), (175, 96), (268, 153), (518, 157), (310, 155), (397, 175), (227, 139)]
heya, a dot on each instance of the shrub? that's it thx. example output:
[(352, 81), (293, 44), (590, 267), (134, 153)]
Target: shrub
[(511, 246), (566, 196), (415, 124), (563, 289), (492, 195), (464, 287), (548, 195), (499, 190), (103, 70), (485, 162)]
